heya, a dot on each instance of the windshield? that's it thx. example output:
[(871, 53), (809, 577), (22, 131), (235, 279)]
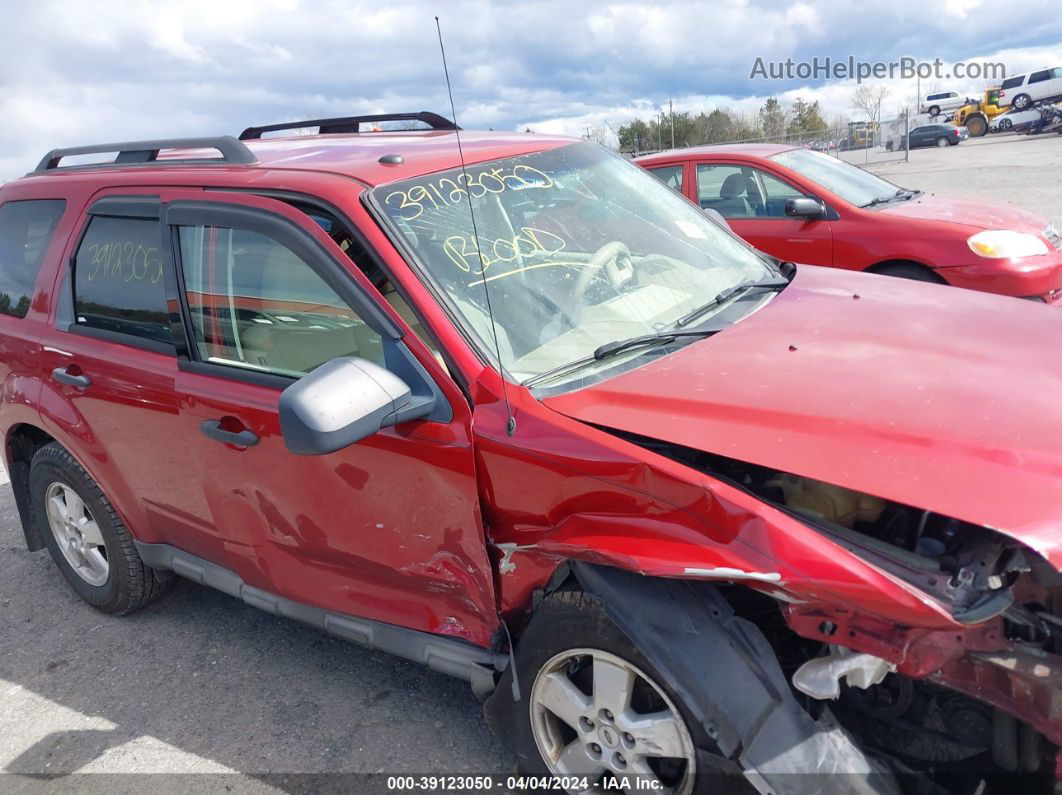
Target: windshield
[(576, 246), (851, 183)]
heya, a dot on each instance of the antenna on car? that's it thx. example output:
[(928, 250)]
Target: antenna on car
[(510, 424)]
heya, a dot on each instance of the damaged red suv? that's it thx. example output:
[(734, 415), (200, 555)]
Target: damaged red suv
[(675, 510)]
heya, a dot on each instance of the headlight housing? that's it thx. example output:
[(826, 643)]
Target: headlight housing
[(1006, 244)]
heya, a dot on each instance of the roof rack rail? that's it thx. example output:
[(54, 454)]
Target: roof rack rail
[(351, 124), (139, 153)]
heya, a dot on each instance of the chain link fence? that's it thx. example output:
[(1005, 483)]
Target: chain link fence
[(856, 142)]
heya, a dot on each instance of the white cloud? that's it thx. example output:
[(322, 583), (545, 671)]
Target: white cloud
[(77, 71)]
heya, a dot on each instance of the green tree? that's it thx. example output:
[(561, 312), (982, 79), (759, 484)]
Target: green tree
[(772, 119)]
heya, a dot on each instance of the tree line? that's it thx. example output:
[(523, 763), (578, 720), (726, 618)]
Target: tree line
[(773, 122)]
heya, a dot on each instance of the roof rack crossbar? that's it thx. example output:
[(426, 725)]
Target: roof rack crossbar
[(351, 124), (131, 153)]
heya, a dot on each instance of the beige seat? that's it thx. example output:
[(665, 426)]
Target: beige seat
[(296, 290), (732, 203)]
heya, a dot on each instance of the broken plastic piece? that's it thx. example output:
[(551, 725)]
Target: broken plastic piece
[(821, 678)]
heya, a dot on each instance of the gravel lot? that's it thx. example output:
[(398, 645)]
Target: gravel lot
[(1017, 170), (201, 683)]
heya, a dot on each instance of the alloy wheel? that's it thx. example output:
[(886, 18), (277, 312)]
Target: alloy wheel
[(598, 716), (76, 533)]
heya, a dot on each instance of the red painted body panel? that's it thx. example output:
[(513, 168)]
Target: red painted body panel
[(928, 230), (823, 385), (941, 400)]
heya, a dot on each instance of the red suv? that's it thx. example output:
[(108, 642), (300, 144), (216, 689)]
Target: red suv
[(798, 204), (532, 419)]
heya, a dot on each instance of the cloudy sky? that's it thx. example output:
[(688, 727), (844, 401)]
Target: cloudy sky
[(82, 71)]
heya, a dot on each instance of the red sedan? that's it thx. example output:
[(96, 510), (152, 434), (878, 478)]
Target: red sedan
[(805, 206)]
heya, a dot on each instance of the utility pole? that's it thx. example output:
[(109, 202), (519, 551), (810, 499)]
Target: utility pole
[(671, 110), (660, 133)]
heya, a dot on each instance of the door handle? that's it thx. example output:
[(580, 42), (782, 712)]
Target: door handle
[(63, 376), (213, 430)]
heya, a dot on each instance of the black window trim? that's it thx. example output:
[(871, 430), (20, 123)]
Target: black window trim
[(228, 214), (133, 206), (378, 261)]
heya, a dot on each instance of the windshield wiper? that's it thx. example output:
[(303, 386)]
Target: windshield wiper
[(776, 283), (903, 194), (610, 349)]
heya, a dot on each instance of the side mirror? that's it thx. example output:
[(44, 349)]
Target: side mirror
[(716, 217), (342, 402), (804, 208)]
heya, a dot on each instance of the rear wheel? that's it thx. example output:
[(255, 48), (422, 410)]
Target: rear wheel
[(942, 142), (1005, 124), (86, 538), (934, 110), (1022, 101)]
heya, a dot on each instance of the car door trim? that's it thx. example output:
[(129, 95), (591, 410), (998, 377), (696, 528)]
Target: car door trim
[(440, 653)]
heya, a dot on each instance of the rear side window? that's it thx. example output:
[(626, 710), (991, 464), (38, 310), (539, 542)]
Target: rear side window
[(669, 175), (1013, 82), (1039, 77), (118, 278), (26, 229)]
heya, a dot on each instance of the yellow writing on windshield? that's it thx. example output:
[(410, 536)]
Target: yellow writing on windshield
[(530, 242), (445, 192)]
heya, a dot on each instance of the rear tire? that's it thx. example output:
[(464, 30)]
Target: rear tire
[(942, 142), (1005, 124), (86, 538), (1022, 101), (934, 110)]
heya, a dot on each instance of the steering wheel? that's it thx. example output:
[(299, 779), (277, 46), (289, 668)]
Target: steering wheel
[(615, 259)]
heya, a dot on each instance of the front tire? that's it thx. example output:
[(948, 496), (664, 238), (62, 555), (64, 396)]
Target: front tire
[(934, 110), (86, 538), (595, 707)]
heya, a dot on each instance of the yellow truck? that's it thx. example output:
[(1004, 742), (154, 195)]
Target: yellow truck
[(975, 116)]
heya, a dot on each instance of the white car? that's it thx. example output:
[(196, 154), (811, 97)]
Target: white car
[(940, 101), (1013, 120), (1021, 91)]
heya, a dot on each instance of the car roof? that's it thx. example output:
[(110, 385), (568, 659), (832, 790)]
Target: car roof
[(754, 150), (355, 155)]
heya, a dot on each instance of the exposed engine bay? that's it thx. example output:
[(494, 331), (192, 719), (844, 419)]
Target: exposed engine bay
[(944, 722)]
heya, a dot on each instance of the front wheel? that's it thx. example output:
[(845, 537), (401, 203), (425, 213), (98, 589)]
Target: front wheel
[(1005, 124), (934, 110), (595, 708)]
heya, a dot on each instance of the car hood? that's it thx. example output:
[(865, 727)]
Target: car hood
[(929, 207), (947, 400)]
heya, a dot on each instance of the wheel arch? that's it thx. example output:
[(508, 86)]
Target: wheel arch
[(23, 440), (692, 636), (888, 267)]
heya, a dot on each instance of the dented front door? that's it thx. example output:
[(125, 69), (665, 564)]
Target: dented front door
[(387, 529)]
